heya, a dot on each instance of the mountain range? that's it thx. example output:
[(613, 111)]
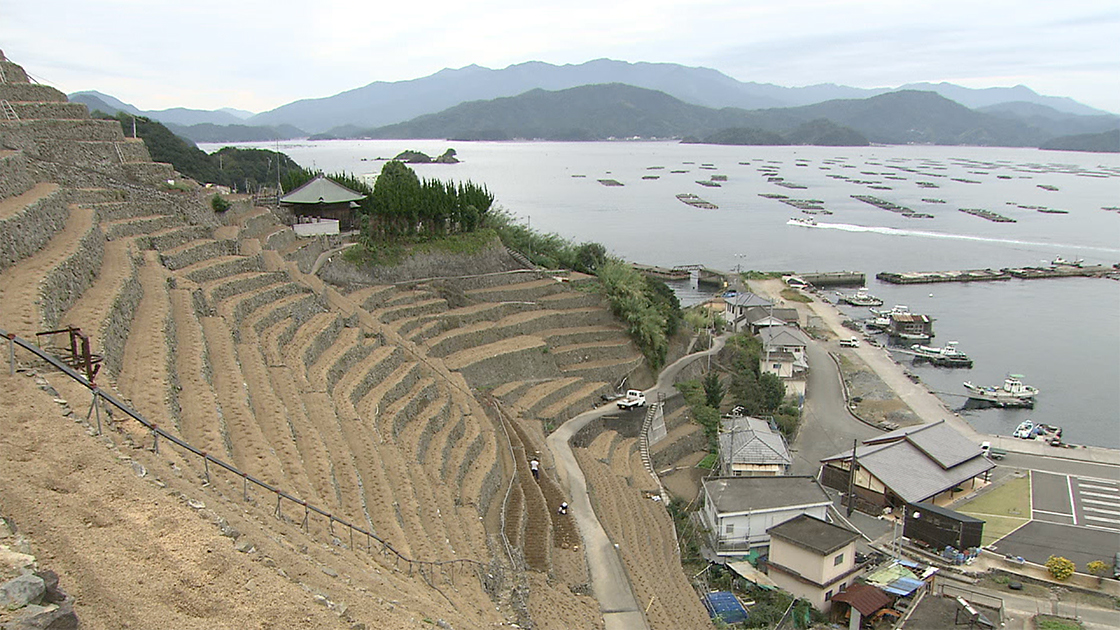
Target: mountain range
[(383, 104)]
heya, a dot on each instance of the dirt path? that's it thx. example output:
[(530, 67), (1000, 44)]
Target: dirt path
[(144, 378), (19, 284), (90, 310)]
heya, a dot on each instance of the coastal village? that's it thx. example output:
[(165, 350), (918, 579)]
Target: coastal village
[(210, 419)]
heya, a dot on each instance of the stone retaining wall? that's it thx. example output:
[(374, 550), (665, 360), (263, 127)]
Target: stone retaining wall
[(247, 306), (114, 331), (473, 451), (324, 340), (457, 432), (241, 264), (434, 425), (16, 177), (33, 92), (143, 225), (528, 363), (353, 355), (300, 310), (55, 110), (65, 283), (27, 231), (692, 443), (307, 254), (491, 483), (205, 250), (490, 280), (412, 407), (64, 129), (376, 374), (547, 321), (176, 238), (246, 284)]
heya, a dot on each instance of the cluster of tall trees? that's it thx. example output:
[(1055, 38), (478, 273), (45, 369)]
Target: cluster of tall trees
[(403, 205)]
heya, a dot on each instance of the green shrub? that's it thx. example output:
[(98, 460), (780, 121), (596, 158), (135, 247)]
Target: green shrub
[(219, 204)]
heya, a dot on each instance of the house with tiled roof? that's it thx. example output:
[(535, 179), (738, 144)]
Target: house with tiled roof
[(748, 446), (813, 559), (783, 351), (737, 511), (910, 465)]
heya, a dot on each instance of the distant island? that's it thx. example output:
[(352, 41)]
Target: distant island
[(417, 157)]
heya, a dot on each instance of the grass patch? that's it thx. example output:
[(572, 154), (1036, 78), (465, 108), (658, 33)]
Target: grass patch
[(385, 253), (793, 295), (1003, 508), (708, 462), (1050, 622)]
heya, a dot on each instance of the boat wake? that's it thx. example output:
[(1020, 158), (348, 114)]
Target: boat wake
[(847, 227)]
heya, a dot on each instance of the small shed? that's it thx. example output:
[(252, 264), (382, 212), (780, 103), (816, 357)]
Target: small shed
[(941, 527)]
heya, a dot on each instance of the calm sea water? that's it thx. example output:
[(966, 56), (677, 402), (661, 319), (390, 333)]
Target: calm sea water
[(1063, 335)]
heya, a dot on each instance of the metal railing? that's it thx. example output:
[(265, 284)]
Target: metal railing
[(383, 547)]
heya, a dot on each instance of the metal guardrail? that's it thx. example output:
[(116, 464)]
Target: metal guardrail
[(100, 395)]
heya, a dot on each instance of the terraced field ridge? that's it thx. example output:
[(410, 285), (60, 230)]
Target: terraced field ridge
[(373, 402)]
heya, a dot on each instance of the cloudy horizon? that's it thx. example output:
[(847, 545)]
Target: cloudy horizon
[(257, 56)]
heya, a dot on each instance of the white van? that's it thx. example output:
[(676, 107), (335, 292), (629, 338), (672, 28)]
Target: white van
[(851, 342)]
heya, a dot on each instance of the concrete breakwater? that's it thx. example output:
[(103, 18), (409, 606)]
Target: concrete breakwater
[(1007, 273)]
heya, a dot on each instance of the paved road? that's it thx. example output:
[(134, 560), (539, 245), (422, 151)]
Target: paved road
[(609, 581), (827, 427)]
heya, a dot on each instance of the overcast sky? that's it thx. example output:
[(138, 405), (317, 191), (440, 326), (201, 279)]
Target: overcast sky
[(257, 55)]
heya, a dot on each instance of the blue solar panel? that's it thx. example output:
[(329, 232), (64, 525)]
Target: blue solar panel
[(726, 606)]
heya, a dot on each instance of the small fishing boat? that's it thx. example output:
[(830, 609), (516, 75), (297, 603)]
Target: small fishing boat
[(1025, 430), (948, 356), (802, 221), (861, 298), (1013, 393)]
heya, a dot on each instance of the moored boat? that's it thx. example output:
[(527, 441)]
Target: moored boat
[(861, 298), (947, 356), (1025, 430), (1013, 393)]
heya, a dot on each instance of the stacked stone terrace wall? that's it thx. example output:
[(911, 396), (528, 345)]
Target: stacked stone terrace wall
[(432, 265), (67, 281), (27, 231), (114, 333)]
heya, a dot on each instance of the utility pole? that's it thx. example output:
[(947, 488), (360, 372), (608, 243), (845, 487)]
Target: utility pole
[(852, 478)]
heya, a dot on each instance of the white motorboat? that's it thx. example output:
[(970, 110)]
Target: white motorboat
[(947, 356), (1013, 393), (1025, 430), (802, 221), (861, 298)]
